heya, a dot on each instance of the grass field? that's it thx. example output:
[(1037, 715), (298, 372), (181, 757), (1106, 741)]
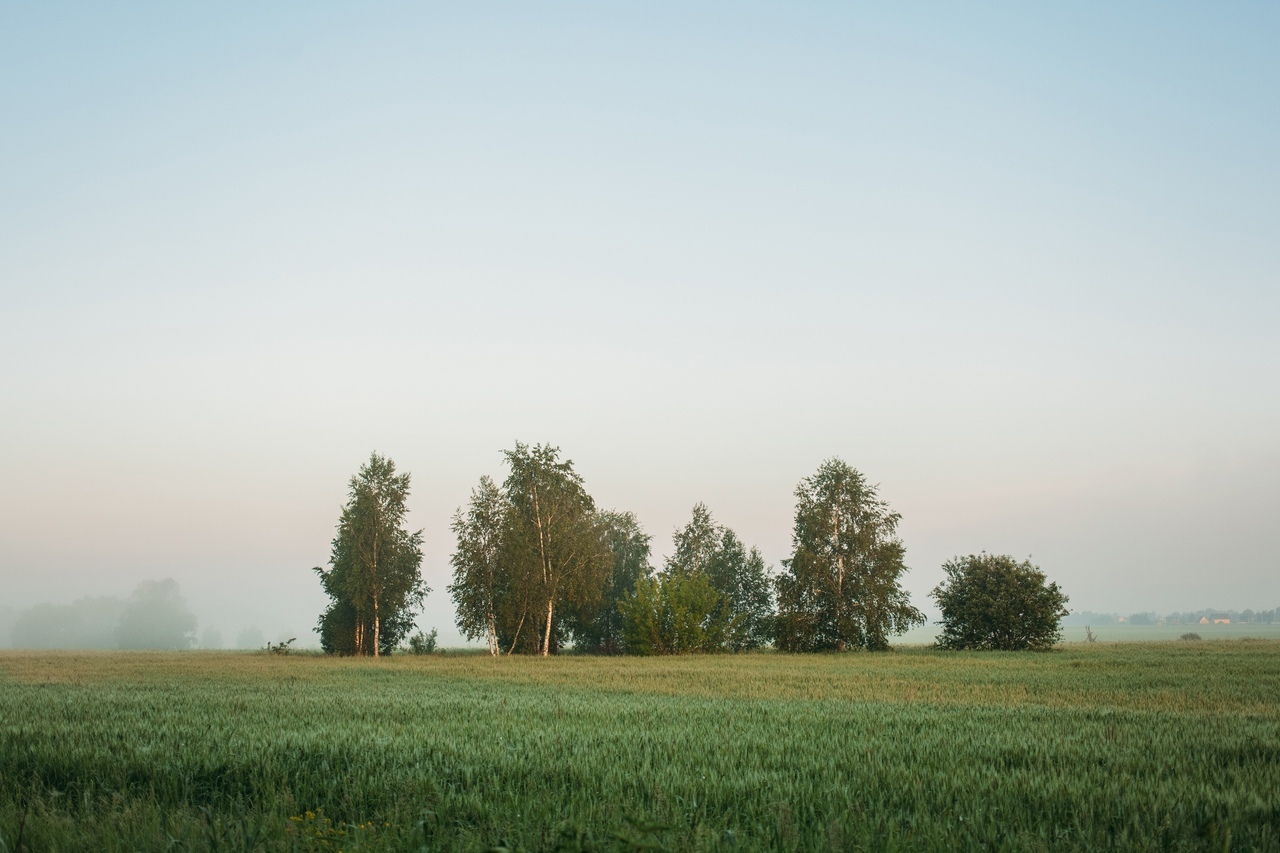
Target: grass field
[(1158, 746)]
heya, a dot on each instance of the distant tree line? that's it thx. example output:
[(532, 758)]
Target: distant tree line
[(155, 616), (538, 567), (1191, 617)]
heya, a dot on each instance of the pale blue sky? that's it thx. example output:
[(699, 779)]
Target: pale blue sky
[(1018, 264)]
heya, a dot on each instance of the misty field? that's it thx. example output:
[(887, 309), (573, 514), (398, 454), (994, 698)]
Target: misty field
[(1160, 746)]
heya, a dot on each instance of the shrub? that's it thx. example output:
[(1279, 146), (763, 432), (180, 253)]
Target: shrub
[(1190, 636), (423, 644), (991, 601)]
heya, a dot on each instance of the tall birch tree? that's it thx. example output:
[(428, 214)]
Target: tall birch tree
[(840, 588), (478, 582), (375, 577), (555, 548)]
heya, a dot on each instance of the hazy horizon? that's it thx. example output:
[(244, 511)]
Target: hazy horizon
[(1018, 266)]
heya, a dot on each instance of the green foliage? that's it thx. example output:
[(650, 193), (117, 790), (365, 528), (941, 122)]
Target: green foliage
[(553, 550), (1190, 636), (1169, 746), (993, 602), (375, 581), (841, 588), (711, 596), (480, 586), (423, 644), (337, 629), (675, 613), (536, 564), (745, 608), (599, 629)]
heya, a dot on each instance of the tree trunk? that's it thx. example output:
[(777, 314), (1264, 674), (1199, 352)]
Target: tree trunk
[(546, 640), (547, 575), (377, 628), (515, 639), (835, 542), (373, 571)]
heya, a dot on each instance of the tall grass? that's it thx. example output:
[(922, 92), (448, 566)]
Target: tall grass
[(1159, 746)]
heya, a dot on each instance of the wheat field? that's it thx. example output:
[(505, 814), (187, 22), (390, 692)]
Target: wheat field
[(1128, 746)]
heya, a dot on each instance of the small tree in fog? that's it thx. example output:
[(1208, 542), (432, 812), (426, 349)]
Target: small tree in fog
[(991, 601), (156, 617)]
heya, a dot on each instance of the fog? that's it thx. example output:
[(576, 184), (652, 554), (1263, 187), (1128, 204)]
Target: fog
[(155, 616)]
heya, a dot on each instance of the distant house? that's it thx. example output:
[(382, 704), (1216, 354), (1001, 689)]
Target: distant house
[(1204, 620), (1221, 619)]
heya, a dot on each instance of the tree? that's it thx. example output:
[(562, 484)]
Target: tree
[(476, 572), (600, 628), (156, 617), (703, 547), (840, 588), (554, 548), (674, 613), (991, 601), (375, 582)]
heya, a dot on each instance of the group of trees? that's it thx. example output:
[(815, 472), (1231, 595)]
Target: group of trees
[(155, 616), (538, 566)]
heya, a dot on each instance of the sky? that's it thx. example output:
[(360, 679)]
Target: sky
[(1017, 263)]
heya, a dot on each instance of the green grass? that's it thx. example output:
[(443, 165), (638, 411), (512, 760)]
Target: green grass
[(1160, 746)]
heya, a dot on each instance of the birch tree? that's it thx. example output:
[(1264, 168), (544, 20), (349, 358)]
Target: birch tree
[(555, 548), (478, 583), (840, 588), (375, 577)]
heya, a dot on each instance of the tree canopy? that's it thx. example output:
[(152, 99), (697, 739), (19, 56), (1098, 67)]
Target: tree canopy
[(703, 547), (478, 582), (535, 564), (841, 587), (712, 595), (553, 545), (375, 580), (991, 601), (599, 628)]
